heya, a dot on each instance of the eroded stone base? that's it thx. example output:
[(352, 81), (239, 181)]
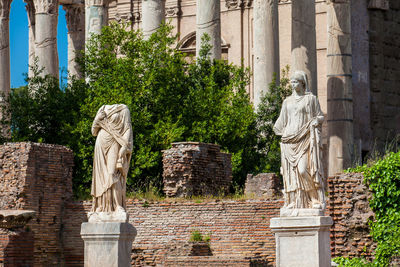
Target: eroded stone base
[(108, 243), (302, 241)]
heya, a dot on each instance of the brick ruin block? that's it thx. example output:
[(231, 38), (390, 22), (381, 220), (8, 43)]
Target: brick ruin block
[(349, 208), (38, 177), (16, 240), (263, 185), (193, 168)]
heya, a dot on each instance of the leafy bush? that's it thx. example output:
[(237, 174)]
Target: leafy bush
[(170, 100), (383, 179), (354, 262)]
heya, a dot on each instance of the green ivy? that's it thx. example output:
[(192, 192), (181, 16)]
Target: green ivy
[(383, 179)]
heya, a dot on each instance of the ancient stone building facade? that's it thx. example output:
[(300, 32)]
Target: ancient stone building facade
[(349, 48)]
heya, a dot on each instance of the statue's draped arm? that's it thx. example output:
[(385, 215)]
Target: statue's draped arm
[(280, 124)]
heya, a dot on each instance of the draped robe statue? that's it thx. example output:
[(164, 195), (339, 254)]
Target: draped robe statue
[(112, 154), (299, 124)]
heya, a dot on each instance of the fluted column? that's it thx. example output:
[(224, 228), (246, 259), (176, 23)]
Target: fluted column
[(96, 16), (75, 17), (208, 21), (153, 14), (30, 9), (340, 99), (266, 46), (304, 51), (4, 62), (46, 19)]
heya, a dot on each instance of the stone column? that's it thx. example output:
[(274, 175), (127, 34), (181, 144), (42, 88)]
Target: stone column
[(30, 9), (208, 21), (96, 16), (75, 17), (340, 99), (266, 46), (4, 62), (153, 14), (46, 19), (304, 51)]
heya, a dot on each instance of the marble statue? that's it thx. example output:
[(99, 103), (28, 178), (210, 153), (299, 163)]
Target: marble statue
[(112, 154), (299, 124)]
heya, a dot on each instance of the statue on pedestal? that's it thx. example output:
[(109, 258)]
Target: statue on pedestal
[(108, 235), (299, 124), (112, 154)]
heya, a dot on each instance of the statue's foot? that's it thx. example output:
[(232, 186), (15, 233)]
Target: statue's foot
[(120, 209), (316, 205), (290, 206)]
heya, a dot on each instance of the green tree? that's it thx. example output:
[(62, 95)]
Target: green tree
[(169, 99), (267, 113)]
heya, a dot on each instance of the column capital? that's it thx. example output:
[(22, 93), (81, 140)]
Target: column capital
[(30, 9), (46, 6), (5, 6), (73, 16)]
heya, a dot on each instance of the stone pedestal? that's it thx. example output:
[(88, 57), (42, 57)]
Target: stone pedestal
[(108, 243), (302, 241)]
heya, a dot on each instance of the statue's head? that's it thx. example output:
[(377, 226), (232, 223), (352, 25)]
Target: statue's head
[(299, 81)]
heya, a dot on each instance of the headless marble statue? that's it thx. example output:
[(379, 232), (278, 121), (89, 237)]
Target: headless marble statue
[(112, 154), (299, 124)]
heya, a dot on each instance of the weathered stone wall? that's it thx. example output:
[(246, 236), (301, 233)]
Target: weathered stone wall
[(384, 35), (38, 177), (350, 211), (192, 168), (263, 185)]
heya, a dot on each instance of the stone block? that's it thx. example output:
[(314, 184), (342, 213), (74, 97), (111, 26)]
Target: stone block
[(193, 169), (263, 185), (302, 241), (108, 243)]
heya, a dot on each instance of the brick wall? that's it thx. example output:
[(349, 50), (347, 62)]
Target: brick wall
[(38, 177), (239, 231), (193, 168), (349, 209), (384, 35), (16, 247)]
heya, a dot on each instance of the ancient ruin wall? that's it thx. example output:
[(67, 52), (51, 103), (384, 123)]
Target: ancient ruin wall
[(38, 177), (239, 231), (194, 169), (384, 36), (350, 211)]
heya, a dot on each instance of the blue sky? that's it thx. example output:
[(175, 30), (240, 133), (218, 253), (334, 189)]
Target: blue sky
[(19, 42)]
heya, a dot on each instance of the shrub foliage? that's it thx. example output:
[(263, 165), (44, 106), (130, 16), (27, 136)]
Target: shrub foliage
[(170, 99)]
